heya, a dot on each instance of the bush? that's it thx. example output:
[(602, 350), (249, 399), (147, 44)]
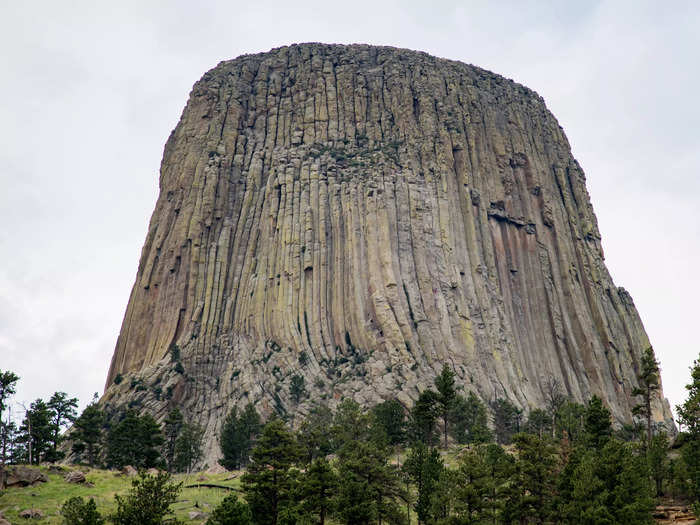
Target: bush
[(76, 511), (118, 379), (231, 512), (148, 500)]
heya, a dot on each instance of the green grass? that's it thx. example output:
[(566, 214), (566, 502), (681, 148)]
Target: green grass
[(49, 497)]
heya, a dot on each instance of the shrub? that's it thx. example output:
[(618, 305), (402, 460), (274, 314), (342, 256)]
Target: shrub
[(148, 500), (118, 379), (231, 511), (77, 511)]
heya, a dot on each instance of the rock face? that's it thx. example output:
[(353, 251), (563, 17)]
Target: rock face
[(358, 216)]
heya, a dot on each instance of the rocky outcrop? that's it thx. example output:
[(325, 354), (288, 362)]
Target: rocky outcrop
[(358, 216), (21, 476)]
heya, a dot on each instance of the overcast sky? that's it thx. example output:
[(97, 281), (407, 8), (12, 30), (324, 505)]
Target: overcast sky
[(90, 91)]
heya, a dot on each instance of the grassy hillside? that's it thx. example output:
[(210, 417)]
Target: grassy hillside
[(49, 497)]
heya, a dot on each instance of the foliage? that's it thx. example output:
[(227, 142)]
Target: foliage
[(269, 483), (424, 418), (350, 424), (297, 389), (446, 394), (390, 418), (649, 383), (35, 432), (369, 486), (8, 384), (231, 511), (506, 419), (689, 416), (570, 421), (424, 467), (77, 511), (148, 501), (533, 481), (314, 434), (174, 353), (606, 485), (87, 433), (469, 420), (188, 447), (538, 423), (657, 452), (173, 425), (237, 436), (136, 441), (63, 411), (318, 486), (597, 425)]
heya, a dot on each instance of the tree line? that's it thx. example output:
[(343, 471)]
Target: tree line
[(562, 463)]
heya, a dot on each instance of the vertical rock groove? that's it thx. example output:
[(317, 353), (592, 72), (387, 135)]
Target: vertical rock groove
[(361, 215)]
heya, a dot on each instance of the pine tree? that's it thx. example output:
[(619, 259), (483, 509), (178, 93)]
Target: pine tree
[(77, 511), (270, 481), (689, 416), (314, 434), (8, 384), (36, 432), (424, 466), (597, 423), (188, 447), (474, 486), (610, 484), (390, 417), (570, 421), (148, 501), (63, 411), (297, 389), (237, 437), (445, 386), (231, 511), (369, 486), (469, 420), (318, 486), (506, 420), (533, 481), (538, 422), (172, 426), (424, 418), (649, 384), (657, 456), (87, 433), (135, 440), (350, 424)]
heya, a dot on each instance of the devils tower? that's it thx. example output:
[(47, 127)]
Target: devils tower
[(359, 216)]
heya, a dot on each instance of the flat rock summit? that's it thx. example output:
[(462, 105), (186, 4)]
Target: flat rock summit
[(359, 216)]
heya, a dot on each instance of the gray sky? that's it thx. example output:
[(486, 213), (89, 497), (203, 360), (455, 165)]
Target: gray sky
[(91, 90)]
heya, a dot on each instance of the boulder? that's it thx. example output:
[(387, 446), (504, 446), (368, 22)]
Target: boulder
[(31, 514), (129, 471), (21, 476), (75, 477)]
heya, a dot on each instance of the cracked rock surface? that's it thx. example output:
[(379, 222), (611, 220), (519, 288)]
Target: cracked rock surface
[(358, 216)]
